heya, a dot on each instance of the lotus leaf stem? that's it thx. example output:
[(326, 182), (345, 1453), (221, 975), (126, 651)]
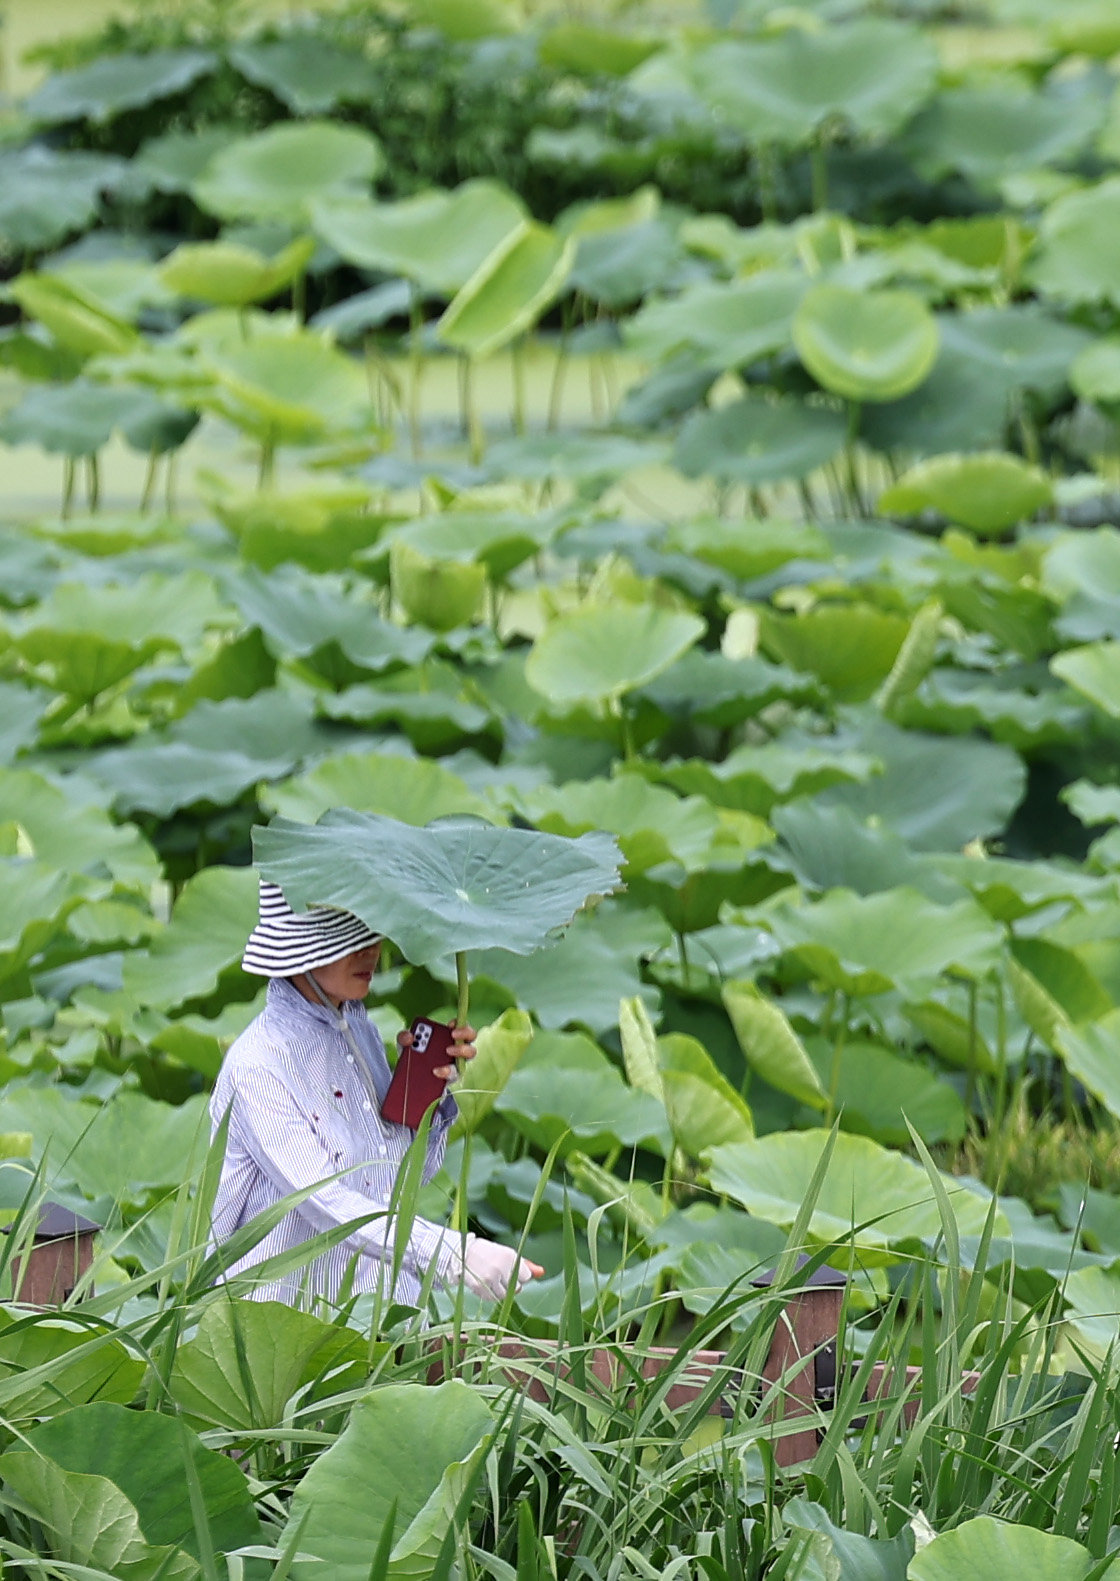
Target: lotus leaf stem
[(464, 987)]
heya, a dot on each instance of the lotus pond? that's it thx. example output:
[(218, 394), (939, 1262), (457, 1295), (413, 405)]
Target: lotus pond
[(706, 437)]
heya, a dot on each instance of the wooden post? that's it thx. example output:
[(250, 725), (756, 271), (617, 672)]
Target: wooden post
[(62, 1252), (802, 1360)]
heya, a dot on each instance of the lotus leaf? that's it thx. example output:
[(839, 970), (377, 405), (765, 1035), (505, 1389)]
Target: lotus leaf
[(213, 916), (67, 829), (958, 1039), (37, 899), (440, 239), (830, 848), (499, 540), (300, 615), (652, 824), (174, 161), (143, 1453), (1021, 347), (47, 194), (455, 885), (1093, 671), (938, 793), (413, 1450), (988, 492), (759, 441), (722, 325), (590, 456), (1078, 234), (1054, 988), (307, 72), (869, 76), (1095, 374), (749, 549), (960, 702), (582, 48), (956, 408), (1081, 571), (752, 779), (1093, 803), (411, 789), (984, 1548), (1089, 1054), (51, 1366), (229, 274), (591, 1107), (877, 1094), (321, 526), (354, 317), (580, 979), (870, 1198), (715, 689), (619, 267), (89, 1522), (850, 649), (435, 721), (248, 1359), (986, 133), (77, 320), (291, 389), (770, 1044), (434, 592), (501, 1046), (464, 20), (509, 291), (76, 419), (704, 1109), (115, 1150), (597, 654), (865, 345), (275, 174), (106, 87), (21, 709)]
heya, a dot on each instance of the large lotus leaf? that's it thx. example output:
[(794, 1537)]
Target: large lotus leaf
[(274, 174), (415, 790), (1020, 347), (1095, 375), (508, 293), (580, 979), (37, 900), (717, 689), (756, 441), (143, 1453), (850, 648), (749, 549), (986, 133), (1093, 671), (1078, 236), (104, 88), (21, 709), (436, 718), (1089, 1054), (617, 266), (46, 194), (300, 614), (306, 71), (68, 830), (572, 455), (230, 274), (770, 1044), (869, 75), (722, 325), (1092, 803), (846, 1554), (412, 1450), (1054, 987), (960, 702), (121, 1150), (987, 492), (752, 779), (704, 1109), (247, 1359), (1081, 571), (830, 848), (865, 345), (869, 1196), (290, 389), (89, 1522), (652, 824), (986, 1549), (1093, 1295), (440, 239), (587, 50), (75, 419), (597, 653), (455, 885), (499, 540), (322, 525), (213, 916), (939, 793), (588, 1104), (174, 161), (877, 1094), (76, 319), (956, 408)]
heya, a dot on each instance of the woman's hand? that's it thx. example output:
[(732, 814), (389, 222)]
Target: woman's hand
[(463, 1038)]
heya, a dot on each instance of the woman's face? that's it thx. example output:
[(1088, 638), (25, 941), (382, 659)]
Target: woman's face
[(345, 979)]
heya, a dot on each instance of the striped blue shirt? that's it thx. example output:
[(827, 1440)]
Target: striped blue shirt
[(302, 1107)]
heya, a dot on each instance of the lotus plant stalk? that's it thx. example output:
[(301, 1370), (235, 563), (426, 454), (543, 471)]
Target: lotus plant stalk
[(464, 987)]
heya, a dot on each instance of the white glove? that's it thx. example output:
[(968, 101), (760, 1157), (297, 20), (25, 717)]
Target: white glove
[(489, 1269)]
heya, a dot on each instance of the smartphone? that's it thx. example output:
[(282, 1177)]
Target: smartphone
[(415, 1086)]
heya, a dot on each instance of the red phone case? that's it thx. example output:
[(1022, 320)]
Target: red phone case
[(415, 1087)]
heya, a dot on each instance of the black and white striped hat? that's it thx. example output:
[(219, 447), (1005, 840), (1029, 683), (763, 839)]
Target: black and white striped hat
[(286, 942)]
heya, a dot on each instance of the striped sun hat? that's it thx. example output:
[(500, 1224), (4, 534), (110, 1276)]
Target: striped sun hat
[(286, 942)]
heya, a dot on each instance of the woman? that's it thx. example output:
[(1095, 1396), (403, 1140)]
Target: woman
[(303, 1086)]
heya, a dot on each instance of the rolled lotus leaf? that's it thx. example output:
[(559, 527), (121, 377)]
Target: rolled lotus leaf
[(865, 345)]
